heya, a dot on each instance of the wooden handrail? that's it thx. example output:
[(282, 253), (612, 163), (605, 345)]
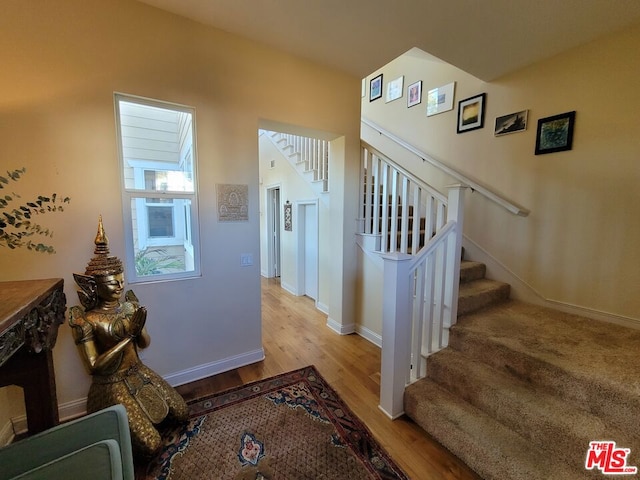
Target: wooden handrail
[(475, 185)]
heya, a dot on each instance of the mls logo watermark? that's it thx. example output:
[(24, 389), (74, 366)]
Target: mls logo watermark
[(610, 460)]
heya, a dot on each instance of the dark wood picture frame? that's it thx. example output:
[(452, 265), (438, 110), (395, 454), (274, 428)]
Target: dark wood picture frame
[(555, 133), (375, 88), (471, 113)]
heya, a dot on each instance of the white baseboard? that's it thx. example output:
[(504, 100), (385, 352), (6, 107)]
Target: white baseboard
[(214, 368), (78, 408), (594, 314), (521, 290), (289, 288), (66, 411), (339, 328), (369, 335), (322, 307)]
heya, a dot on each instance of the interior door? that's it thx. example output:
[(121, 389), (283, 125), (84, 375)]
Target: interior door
[(311, 250)]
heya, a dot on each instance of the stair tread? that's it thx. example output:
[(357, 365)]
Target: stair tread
[(470, 270), (585, 347), (549, 421), (480, 441)]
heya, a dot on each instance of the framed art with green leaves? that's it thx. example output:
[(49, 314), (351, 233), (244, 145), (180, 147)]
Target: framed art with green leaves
[(555, 133)]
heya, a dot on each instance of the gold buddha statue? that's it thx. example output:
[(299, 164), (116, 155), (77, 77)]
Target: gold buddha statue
[(108, 334)]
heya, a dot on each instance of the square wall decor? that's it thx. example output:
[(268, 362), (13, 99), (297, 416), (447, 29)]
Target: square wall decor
[(233, 203)]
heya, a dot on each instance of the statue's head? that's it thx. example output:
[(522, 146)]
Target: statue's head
[(103, 279)]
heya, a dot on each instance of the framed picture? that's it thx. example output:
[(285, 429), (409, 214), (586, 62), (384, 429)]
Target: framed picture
[(414, 93), (471, 113), (288, 219), (375, 88), (512, 123), (395, 89), (555, 134), (440, 99)]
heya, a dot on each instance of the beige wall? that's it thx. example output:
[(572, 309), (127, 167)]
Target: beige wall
[(579, 245), (62, 63)]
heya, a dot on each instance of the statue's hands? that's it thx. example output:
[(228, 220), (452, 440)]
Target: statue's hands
[(138, 319)]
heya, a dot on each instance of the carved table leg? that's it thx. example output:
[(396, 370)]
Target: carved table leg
[(35, 374)]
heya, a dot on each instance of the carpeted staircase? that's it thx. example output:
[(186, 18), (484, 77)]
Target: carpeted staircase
[(522, 390)]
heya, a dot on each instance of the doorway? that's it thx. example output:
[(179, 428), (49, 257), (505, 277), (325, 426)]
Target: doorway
[(307, 213), (273, 232)]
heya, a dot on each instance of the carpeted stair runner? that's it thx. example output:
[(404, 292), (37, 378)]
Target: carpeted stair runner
[(522, 390)]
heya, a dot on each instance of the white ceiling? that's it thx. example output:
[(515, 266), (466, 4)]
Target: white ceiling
[(486, 38)]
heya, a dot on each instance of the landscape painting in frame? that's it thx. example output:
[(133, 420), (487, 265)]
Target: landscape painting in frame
[(555, 134), (375, 88), (471, 113), (512, 123)]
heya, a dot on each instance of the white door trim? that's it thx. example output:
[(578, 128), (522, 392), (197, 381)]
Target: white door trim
[(300, 238), (273, 215)]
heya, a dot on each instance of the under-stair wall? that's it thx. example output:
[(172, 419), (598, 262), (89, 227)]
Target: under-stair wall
[(309, 157)]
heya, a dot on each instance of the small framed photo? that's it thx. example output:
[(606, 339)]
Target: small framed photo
[(471, 113), (395, 89), (288, 222), (512, 123), (440, 99), (555, 134), (375, 88), (414, 93)]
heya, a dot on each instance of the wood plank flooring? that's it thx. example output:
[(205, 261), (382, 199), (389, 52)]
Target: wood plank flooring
[(294, 335)]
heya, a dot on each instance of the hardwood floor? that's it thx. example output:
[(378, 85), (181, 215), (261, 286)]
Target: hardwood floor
[(295, 335)]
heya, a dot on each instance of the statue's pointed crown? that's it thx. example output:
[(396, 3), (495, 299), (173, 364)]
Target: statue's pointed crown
[(102, 263)]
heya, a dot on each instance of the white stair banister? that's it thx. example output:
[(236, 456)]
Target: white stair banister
[(420, 295), (396, 333), (455, 212), (475, 185)]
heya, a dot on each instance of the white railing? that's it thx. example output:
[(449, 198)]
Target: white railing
[(397, 207), (473, 184), (313, 153), (420, 303)]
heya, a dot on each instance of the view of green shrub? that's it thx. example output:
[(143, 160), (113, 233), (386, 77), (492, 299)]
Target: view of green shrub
[(155, 261)]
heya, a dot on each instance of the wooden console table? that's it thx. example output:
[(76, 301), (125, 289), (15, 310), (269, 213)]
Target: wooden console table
[(30, 313)]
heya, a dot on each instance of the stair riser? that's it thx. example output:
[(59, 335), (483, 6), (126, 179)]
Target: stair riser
[(604, 401), (472, 303), (390, 210), (474, 271), (399, 223), (489, 448), (566, 438)]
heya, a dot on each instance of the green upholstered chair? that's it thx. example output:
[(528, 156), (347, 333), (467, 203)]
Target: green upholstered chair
[(96, 447)]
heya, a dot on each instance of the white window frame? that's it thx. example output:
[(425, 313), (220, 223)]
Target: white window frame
[(141, 196)]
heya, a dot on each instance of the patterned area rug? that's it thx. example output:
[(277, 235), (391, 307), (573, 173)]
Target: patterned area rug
[(289, 427)]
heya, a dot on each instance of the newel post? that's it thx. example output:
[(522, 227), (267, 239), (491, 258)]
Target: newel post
[(455, 213), (396, 333)]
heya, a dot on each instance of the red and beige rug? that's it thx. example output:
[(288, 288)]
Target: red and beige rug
[(289, 427)]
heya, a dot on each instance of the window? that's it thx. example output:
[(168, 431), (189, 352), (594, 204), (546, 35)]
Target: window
[(157, 151)]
